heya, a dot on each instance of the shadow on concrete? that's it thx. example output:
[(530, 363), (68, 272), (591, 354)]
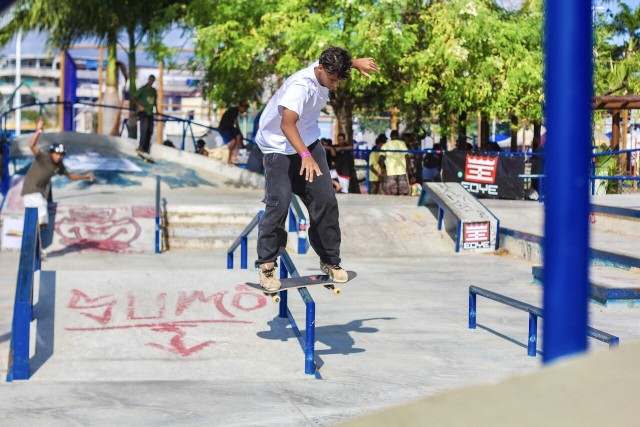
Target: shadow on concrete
[(44, 313), (336, 337), (511, 340), (76, 247), (5, 337)]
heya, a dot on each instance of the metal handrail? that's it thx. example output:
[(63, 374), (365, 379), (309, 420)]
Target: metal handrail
[(19, 368), (242, 240), (534, 313)]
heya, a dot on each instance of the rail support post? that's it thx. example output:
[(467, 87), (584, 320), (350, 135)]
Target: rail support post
[(533, 335), (282, 312), (472, 310), (310, 339), (243, 252)]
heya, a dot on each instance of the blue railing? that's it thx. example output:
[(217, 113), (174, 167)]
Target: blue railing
[(298, 223), (23, 306), (308, 342), (287, 268), (534, 314), (241, 240)]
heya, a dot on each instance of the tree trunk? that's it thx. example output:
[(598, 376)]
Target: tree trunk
[(615, 129), (462, 131), (111, 116), (514, 132), (484, 132), (342, 104), (133, 116)]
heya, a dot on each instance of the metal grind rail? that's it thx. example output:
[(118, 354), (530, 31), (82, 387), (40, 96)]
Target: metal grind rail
[(534, 313), (19, 366), (287, 268)]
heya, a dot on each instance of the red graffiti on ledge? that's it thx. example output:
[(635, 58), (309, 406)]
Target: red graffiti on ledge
[(101, 309), (97, 228)]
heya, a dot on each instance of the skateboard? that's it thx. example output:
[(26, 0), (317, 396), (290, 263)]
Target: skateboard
[(303, 282), (145, 157)]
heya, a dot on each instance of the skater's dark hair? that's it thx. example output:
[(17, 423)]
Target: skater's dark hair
[(336, 61)]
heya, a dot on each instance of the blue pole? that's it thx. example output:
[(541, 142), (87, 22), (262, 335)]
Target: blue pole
[(533, 335), (282, 313), (243, 252), (229, 260), (472, 310), (158, 249), (568, 89), (310, 339)]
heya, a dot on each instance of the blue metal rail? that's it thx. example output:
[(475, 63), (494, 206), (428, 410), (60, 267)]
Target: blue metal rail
[(19, 368), (308, 343), (241, 241), (534, 314)]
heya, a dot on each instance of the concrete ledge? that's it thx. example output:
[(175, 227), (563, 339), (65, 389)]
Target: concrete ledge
[(607, 285), (471, 218)]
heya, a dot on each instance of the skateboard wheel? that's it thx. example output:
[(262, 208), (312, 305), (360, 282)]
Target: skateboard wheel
[(275, 298), (336, 291)]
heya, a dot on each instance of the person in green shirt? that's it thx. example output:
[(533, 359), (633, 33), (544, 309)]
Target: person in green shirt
[(145, 101)]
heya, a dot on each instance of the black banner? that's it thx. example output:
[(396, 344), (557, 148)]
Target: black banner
[(485, 175)]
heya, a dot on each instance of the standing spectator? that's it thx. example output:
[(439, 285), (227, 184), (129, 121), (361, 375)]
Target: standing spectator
[(331, 162), (230, 130), (395, 167), (345, 165), (296, 162), (201, 148), (432, 164), (38, 178), (145, 100), (415, 159), (375, 170)]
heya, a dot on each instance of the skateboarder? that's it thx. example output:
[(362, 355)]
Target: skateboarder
[(39, 175), (295, 161)]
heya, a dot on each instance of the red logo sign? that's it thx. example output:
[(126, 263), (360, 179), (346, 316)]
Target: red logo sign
[(480, 169), (476, 232)]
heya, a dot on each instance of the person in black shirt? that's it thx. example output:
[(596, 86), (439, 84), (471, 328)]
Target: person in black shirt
[(230, 131)]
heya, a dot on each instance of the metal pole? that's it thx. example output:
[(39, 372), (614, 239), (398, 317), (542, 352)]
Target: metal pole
[(282, 313), (533, 335), (158, 229), (243, 252), (472, 310), (568, 88), (310, 339), (17, 99)]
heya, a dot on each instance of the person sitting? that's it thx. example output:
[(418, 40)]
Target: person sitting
[(230, 130), (201, 148)]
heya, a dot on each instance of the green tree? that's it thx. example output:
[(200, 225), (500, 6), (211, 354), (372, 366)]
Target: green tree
[(68, 21), (242, 45)]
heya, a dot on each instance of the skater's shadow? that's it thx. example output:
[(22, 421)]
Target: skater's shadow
[(337, 337)]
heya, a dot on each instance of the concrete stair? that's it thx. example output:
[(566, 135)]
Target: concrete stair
[(205, 226)]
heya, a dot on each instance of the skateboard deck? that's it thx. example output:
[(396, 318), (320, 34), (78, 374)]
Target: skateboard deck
[(145, 157), (303, 282)]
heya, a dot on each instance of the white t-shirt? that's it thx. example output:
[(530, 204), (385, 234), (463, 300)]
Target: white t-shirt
[(301, 93)]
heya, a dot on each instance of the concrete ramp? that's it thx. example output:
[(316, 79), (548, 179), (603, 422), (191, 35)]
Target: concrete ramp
[(472, 226)]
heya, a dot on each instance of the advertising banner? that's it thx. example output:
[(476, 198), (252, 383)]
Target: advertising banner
[(485, 175)]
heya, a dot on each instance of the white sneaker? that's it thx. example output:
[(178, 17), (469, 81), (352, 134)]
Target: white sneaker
[(337, 273)]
